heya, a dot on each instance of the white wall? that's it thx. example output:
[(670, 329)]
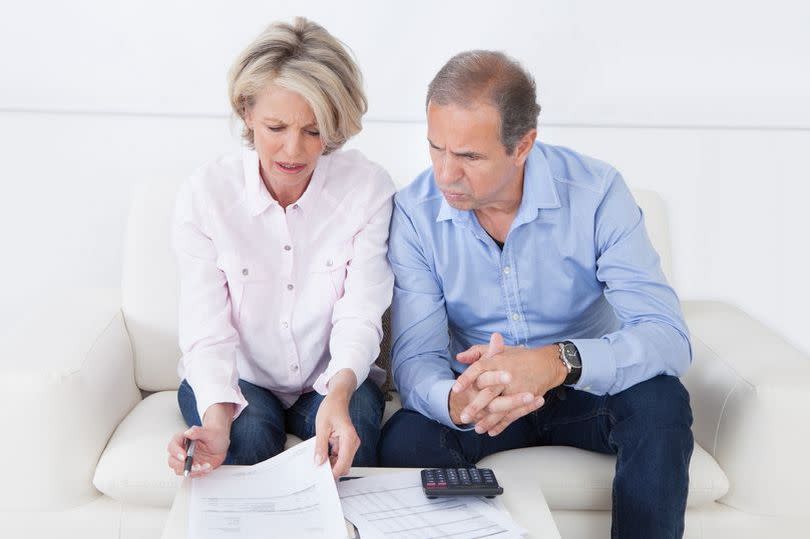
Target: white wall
[(704, 102)]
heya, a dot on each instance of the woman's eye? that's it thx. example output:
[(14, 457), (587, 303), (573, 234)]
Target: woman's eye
[(275, 129), (313, 133)]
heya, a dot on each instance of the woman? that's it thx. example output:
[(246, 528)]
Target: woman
[(281, 253)]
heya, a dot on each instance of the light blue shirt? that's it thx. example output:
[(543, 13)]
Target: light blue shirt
[(577, 265)]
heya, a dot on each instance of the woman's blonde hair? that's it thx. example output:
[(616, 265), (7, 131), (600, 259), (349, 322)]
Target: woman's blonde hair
[(304, 58)]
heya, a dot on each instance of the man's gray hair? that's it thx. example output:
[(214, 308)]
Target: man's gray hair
[(472, 75)]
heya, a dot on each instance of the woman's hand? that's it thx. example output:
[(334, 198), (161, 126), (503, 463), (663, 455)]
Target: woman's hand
[(213, 440), (333, 426)]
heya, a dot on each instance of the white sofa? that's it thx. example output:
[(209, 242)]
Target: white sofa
[(89, 402)]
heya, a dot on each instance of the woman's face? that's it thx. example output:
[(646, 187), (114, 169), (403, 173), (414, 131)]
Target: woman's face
[(286, 137)]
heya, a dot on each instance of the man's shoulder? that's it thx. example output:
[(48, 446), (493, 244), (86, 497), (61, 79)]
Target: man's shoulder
[(577, 170), (420, 198)]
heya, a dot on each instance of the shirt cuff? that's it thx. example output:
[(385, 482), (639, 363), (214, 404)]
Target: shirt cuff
[(335, 366), (207, 398), (598, 365), (439, 404)]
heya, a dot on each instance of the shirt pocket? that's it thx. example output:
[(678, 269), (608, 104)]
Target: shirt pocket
[(250, 286), (329, 267)]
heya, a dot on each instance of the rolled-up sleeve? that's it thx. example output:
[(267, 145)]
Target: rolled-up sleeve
[(653, 338), (354, 342), (208, 340), (420, 357)]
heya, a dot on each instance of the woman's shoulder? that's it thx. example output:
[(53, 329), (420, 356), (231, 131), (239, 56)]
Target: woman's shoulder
[(221, 179), (352, 170)]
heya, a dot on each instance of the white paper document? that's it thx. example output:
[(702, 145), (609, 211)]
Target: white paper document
[(285, 496), (394, 505)]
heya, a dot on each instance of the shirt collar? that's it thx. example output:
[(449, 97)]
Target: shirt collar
[(539, 192), (256, 193)]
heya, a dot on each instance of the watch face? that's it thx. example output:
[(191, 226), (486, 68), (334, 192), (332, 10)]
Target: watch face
[(572, 355)]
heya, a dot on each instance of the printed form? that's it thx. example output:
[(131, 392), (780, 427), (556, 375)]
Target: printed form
[(395, 506), (286, 495)]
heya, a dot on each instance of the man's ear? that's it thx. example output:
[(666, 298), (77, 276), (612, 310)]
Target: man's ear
[(524, 146)]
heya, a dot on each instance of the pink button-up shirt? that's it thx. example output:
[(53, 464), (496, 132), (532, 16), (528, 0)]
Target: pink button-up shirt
[(281, 299)]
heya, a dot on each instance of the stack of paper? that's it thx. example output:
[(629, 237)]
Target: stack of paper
[(395, 506), (285, 496)]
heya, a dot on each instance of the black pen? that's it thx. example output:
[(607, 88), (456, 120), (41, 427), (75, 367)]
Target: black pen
[(190, 445)]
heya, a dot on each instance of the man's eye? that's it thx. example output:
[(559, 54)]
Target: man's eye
[(471, 157), (275, 129)]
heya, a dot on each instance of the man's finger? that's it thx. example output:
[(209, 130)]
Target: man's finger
[(321, 446), (472, 354), (507, 403), (469, 376), (516, 414), (492, 378), (488, 422), (495, 344), (479, 402)]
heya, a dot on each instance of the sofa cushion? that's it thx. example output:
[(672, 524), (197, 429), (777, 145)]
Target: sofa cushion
[(572, 479), (134, 468)]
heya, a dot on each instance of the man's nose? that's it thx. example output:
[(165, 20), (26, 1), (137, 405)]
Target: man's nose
[(447, 170)]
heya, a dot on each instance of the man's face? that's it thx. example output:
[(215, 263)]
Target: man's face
[(470, 164)]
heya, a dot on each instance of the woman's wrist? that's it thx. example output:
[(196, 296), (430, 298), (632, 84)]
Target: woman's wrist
[(342, 385), (219, 416)]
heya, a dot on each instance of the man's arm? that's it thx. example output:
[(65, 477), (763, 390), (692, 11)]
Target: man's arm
[(420, 360), (653, 338)]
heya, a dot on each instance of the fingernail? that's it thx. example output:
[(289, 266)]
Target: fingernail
[(478, 429), (527, 398), (505, 378), (465, 418), (540, 401), (318, 459), (180, 457), (456, 388), (206, 465), (195, 467)]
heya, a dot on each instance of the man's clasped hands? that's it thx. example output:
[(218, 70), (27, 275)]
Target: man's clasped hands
[(503, 383)]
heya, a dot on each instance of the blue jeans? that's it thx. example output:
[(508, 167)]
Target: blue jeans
[(261, 429), (648, 427)]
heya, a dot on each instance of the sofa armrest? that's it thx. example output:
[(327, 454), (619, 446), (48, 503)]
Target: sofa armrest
[(750, 393), (66, 381)]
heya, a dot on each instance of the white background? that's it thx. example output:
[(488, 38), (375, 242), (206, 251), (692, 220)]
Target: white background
[(707, 103)]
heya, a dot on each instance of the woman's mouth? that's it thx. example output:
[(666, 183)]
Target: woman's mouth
[(289, 168)]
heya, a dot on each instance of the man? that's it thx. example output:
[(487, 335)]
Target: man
[(542, 253)]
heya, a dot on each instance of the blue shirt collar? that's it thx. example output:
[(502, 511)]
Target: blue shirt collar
[(539, 193)]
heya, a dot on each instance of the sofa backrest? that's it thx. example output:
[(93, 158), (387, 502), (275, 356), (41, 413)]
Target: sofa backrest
[(149, 280)]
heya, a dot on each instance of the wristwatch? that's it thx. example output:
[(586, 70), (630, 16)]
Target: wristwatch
[(569, 355)]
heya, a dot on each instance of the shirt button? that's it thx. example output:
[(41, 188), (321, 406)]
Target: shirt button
[(329, 263), (290, 287), (506, 270), (285, 324), (287, 247), (244, 271), (515, 316), (294, 368), (295, 206)]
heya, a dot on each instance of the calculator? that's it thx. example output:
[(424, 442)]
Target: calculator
[(460, 482)]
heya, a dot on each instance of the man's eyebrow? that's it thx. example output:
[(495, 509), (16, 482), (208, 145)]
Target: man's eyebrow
[(459, 154)]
